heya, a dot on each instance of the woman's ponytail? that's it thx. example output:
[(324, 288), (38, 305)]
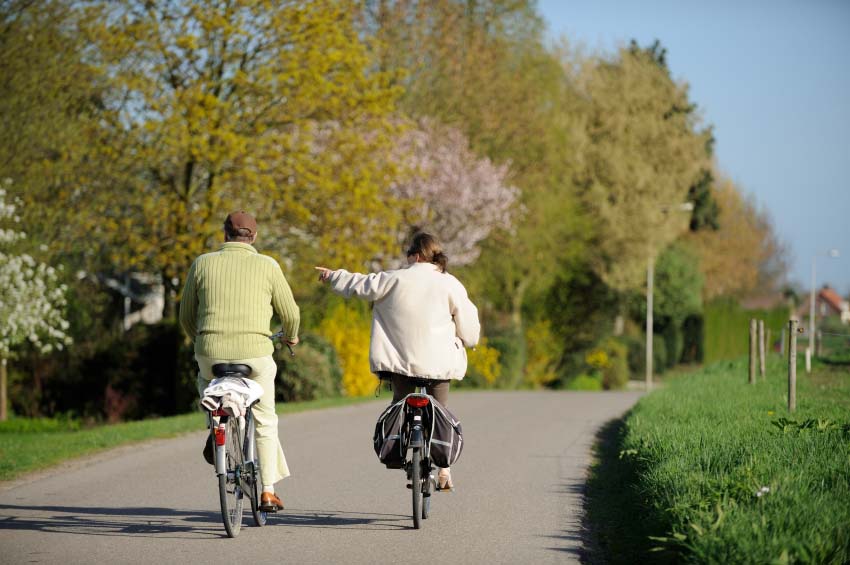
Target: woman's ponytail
[(429, 249)]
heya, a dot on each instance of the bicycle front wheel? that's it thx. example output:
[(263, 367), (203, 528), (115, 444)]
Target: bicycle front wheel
[(416, 484), (230, 492)]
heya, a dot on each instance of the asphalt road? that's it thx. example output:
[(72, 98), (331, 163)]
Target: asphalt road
[(518, 494)]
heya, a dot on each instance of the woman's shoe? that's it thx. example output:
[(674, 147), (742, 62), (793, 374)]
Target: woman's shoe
[(444, 481)]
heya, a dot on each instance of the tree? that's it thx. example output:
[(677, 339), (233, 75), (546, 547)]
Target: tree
[(218, 105), (643, 152), (744, 253), (481, 66), (32, 300), (50, 98), (460, 197)]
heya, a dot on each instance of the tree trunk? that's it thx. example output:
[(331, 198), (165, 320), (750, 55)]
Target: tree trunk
[(3, 387), (516, 305)]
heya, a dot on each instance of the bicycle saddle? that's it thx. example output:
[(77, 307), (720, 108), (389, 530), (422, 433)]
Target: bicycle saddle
[(231, 370)]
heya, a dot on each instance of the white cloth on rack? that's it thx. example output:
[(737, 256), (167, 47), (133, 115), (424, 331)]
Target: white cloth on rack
[(233, 394)]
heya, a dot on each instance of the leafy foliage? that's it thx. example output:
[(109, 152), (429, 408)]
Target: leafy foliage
[(743, 254), (460, 196), (347, 329), (544, 351), (483, 362), (312, 374), (643, 152), (255, 105)]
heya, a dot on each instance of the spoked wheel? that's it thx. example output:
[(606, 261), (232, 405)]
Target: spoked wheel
[(253, 477), (230, 484), (416, 485), (427, 487)]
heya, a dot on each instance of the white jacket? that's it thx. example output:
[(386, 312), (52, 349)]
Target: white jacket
[(421, 320)]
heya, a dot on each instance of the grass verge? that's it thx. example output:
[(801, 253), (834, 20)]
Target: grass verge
[(32, 444), (711, 469)]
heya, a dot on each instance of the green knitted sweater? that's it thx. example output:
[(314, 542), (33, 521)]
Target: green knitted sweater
[(228, 302)]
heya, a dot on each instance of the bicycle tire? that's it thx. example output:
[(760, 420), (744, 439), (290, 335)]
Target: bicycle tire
[(427, 485), (416, 485), (230, 491), (253, 478)]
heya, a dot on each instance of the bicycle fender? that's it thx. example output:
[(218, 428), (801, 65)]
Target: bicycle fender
[(416, 437)]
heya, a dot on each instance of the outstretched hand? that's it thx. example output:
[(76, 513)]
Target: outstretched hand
[(324, 273)]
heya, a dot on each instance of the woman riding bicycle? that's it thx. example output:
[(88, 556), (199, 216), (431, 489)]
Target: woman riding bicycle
[(421, 321)]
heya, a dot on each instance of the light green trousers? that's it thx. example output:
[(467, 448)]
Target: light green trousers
[(273, 465)]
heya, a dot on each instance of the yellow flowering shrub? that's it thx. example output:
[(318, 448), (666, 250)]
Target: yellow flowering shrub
[(484, 362), (597, 359), (609, 362), (544, 351), (348, 331)]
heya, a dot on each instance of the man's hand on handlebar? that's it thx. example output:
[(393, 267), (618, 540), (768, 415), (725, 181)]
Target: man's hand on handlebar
[(291, 341)]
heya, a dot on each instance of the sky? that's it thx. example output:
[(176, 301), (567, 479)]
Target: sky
[(773, 78)]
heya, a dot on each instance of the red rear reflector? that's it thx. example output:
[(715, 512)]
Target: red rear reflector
[(219, 435), (417, 401)]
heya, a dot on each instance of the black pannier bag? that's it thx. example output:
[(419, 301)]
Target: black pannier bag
[(388, 441), (446, 436)]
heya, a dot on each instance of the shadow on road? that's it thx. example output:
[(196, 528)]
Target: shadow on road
[(341, 520), (175, 523), (104, 521)]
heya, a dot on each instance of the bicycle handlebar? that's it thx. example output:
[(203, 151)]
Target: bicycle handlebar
[(279, 335)]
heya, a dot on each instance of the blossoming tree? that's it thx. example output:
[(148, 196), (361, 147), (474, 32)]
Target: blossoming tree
[(459, 196), (32, 300)]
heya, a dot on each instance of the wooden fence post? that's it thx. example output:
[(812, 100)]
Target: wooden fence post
[(761, 348), (792, 365), (752, 350)]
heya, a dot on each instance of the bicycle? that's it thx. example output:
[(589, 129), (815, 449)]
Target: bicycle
[(237, 463), (419, 467), (236, 460)]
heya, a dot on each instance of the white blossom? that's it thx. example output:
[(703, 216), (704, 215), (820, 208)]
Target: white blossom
[(462, 197), (32, 299)]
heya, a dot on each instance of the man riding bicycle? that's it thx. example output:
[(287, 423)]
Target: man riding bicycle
[(226, 309)]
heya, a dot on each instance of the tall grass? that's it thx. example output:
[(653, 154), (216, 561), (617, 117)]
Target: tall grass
[(714, 470)]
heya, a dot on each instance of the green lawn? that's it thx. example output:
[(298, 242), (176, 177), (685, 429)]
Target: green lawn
[(711, 469), (32, 444)]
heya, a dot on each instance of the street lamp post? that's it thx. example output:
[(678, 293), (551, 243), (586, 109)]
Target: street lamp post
[(811, 346), (650, 283)]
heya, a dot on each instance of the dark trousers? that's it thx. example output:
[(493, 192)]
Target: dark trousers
[(402, 387)]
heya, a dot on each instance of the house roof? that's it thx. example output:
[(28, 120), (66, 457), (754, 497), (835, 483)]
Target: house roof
[(831, 297)]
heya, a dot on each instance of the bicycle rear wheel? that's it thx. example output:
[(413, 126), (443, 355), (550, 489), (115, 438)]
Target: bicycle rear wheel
[(253, 477), (416, 484), (427, 485), (230, 492)]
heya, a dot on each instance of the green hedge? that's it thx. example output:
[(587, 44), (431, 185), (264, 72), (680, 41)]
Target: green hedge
[(727, 328)]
